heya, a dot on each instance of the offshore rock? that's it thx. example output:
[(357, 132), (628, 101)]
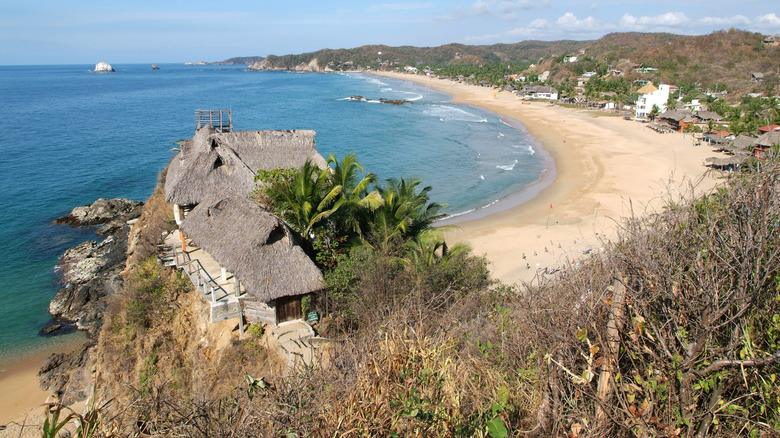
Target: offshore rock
[(102, 211), (103, 67), (154, 67)]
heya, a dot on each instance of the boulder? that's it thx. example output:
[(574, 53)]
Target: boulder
[(154, 67), (103, 67), (102, 211)]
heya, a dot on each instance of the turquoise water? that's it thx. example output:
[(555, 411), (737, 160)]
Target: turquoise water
[(68, 137)]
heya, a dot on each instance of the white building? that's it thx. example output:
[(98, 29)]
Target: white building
[(649, 96), (540, 92)]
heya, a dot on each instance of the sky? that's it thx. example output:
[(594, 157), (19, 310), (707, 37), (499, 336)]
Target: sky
[(145, 31)]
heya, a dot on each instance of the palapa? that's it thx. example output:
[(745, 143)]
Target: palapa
[(215, 165), (255, 245)]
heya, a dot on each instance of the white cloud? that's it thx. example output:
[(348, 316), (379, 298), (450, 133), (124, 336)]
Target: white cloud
[(570, 22), (768, 20), (657, 22), (737, 20), (503, 9)]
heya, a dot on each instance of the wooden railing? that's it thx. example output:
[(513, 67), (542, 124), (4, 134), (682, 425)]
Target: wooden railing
[(221, 120), (199, 276)]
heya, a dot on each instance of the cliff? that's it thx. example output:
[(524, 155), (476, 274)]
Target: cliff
[(282, 64)]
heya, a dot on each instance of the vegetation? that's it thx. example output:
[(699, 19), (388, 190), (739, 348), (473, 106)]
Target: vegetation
[(673, 331)]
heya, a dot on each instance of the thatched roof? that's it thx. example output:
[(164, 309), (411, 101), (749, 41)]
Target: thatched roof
[(647, 89), (215, 165), (768, 139), (677, 115), (255, 245), (743, 141), (709, 115)]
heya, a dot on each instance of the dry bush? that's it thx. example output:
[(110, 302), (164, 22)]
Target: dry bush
[(695, 340)]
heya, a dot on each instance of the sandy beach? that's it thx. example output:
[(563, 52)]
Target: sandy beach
[(21, 398), (607, 168)]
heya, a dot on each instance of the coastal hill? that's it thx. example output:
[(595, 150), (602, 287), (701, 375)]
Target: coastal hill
[(720, 59)]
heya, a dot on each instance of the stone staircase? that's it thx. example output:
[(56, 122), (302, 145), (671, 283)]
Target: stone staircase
[(295, 338)]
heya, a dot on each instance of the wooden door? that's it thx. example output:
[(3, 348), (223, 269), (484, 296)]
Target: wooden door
[(288, 308)]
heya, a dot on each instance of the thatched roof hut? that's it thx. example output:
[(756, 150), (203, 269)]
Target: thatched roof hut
[(744, 141), (255, 245), (215, 165), (768, 139)]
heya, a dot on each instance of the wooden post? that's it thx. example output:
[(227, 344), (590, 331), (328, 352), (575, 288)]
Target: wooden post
[(183, 243), (213, 296), (240, 319), (236, 287), (224, 274), (614, 325)]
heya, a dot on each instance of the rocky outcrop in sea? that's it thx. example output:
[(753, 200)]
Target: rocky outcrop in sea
[(103, 67)]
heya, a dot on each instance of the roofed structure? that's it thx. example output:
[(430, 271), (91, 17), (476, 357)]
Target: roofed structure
[(743, 141), (647, 89), (254, 244), (215, 165), (767, 140)]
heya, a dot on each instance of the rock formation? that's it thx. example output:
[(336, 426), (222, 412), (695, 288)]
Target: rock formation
[(266, 64), (90, 271), (102, 211), (103, 67), (154, 67)]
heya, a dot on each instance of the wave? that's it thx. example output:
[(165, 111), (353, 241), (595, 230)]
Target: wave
[(447, 113), (417, 96), (500, 134), (361, 100), (385, 90), (526, 147), (508, 167)]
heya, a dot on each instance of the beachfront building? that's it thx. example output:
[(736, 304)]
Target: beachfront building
[(262, 271), (649, 96), (539, 92)]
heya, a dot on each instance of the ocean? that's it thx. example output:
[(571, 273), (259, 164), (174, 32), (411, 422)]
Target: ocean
[(68, 137)]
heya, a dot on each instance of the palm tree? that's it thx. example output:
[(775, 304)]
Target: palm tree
[(405, 213), (353, 191), (654, 112), (305, 199)]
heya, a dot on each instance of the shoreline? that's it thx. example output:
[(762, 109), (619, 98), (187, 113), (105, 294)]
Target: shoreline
[(606, 169), (19, 383)]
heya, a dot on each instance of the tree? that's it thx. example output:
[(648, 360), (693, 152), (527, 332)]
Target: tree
[(353, 192), (305, 199), (671, 103), (405, 213), (654, 112)]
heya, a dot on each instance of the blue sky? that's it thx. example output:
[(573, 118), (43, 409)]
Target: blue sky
[(144, 31)]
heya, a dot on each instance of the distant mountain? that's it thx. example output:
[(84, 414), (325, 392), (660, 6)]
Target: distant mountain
[(240, 60), (722, 58)]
